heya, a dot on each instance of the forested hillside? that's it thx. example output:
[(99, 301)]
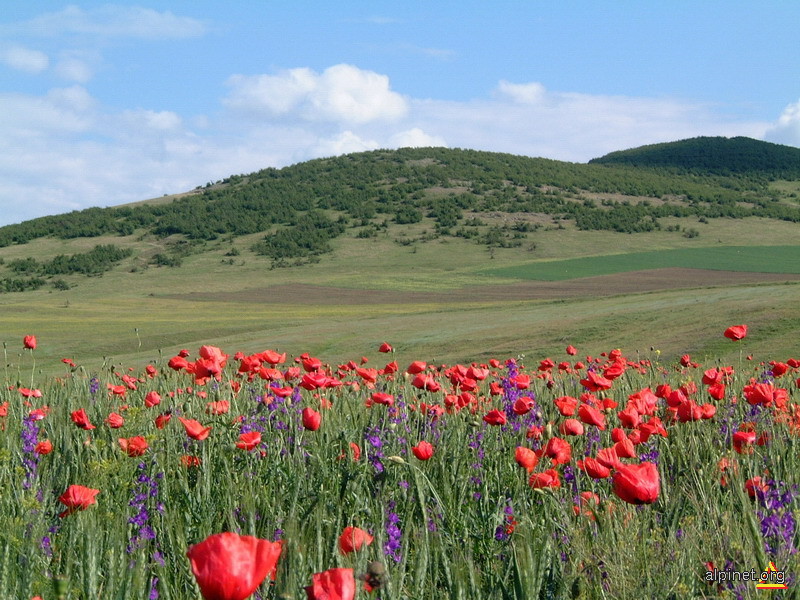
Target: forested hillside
[(301, 209), (719, 155)]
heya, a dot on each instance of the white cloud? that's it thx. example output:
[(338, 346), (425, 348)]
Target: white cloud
[(524, 93), (62, 111), (341, 93), (415, 138), (113, 21), (24, 59), (152, 120), (74, 69), (271, 94), (787, 129), (343, 143)]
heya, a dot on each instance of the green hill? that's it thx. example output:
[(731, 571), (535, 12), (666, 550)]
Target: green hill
[(448, 254), (720, 155)]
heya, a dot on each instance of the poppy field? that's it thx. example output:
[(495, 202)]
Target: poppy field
[(223, 475)]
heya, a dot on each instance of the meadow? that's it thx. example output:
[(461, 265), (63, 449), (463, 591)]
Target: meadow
[(445, 299), (560, 476)]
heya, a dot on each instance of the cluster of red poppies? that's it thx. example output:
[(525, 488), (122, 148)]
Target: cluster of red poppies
[(231, 567)]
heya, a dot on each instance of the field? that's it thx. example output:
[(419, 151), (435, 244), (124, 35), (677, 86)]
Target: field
[(445, 299), (568, 476)]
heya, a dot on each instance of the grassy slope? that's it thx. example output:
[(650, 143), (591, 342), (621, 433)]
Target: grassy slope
[(100, 317)]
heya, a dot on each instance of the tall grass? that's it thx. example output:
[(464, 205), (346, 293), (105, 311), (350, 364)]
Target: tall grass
[(470, 525)]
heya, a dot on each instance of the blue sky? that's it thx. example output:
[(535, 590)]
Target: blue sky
[(106, 103)]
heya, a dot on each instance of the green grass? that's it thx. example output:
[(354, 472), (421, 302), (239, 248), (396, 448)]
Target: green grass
[(757, 259)]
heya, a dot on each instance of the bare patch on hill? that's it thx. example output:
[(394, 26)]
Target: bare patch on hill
[(633, 282)]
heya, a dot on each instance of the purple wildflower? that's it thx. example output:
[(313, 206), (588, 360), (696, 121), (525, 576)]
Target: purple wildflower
[(778, 525), (30, 460), (392, 546)]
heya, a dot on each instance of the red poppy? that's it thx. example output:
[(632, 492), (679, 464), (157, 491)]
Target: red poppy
[(594, 468), (353, 539), (355, 452), (624, 448), (161, 420), (755, 484), (566, 405), (637, 484), (219, 407), (311, 419), (571, 427), (248, 441), (608, 458), (29, 342), (595, 382), (629, 417), (526, 458), (764, 393), (558, 450), (44, 447), (134, 446), (177, 363), (591, 416), (523, 405), (477, 373), (654, 426), (572, 350), (77, 497), (743, 441), (152, 399), (549, 478), (586, 498), (214, 354), (708, 410), (521, 382), (117, 390), (188, 460), (194, 429), (115, 421), (495, 417), (333, 584), (423, 450), (382, 398), (385, 348), (736, 332), (81, 419), (228, 566), (716, 391), (415, 367)]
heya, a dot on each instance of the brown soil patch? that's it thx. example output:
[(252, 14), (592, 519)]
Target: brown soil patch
[(632, 282)]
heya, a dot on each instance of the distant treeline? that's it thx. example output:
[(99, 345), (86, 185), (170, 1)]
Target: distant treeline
[(303, 207)]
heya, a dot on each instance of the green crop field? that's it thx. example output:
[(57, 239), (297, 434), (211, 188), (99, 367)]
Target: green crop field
[(758, 259)]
